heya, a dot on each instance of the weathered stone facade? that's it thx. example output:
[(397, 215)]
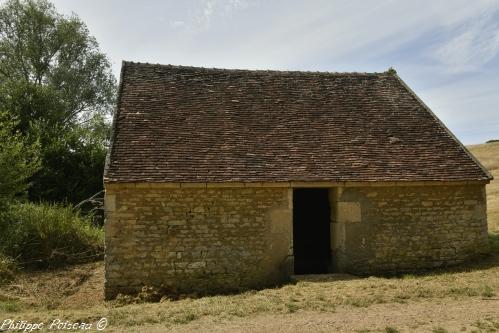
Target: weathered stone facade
[(227, 239), (195, 239), (406, 229)]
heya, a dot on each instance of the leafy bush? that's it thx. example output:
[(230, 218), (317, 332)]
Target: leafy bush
[(44, 234)]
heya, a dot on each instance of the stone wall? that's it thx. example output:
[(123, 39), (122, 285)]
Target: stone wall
[(196, 239), (406, 229), (229, 239)]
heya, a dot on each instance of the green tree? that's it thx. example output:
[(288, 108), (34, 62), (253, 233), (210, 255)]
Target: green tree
[(57, 82), (18, 161)]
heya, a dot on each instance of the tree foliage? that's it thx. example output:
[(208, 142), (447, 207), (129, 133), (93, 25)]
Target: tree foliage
[(18, 161), (59, 85)]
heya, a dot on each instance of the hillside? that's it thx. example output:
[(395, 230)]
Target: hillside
[(463, 298), (488, 155)]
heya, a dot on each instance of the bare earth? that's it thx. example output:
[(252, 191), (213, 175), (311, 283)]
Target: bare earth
[(427, 316)]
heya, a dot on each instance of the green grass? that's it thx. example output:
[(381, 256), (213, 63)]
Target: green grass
[(9, 306), (48, 235), (488, 291)]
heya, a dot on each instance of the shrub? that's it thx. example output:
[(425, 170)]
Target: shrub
[(7, 268), (42, 235)]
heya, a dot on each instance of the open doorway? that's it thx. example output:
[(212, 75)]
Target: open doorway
[(311, 231)]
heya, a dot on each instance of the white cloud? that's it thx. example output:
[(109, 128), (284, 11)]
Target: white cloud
[(472, 47), (177, 24), (207, 11), (285, 34), (211, 8)]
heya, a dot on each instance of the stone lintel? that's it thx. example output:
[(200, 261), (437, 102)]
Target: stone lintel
[(313, 184)]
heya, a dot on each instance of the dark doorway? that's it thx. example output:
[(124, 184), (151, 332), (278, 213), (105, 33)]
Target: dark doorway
[(311, 234)]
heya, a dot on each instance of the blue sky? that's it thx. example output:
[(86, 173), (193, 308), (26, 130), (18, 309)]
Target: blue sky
[(447, 51)]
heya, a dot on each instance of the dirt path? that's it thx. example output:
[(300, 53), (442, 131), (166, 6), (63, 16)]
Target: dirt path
[(448, 315)]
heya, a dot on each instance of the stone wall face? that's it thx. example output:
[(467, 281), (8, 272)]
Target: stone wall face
[(228, 239), (197, 239), (406, 229)]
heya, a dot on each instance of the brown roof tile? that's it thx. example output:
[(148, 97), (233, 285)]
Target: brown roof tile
[(188, 124)]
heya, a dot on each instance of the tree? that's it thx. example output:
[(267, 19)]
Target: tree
[(18, 161), (57, 82)]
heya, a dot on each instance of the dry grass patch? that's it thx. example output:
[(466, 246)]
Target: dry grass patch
[(322, 296)]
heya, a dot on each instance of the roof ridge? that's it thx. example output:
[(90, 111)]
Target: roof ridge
[(307, 72)]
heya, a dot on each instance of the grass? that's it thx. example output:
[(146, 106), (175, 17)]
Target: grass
[(486, 325), (477, 280), (9, 306), (48, 235), (7, 269)]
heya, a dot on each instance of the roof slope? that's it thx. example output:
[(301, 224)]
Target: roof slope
[(188, 124)]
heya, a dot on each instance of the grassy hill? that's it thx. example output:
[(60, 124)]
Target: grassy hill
[(460, 299), (488, 155)]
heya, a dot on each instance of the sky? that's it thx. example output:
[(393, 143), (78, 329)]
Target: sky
[(446, 51)]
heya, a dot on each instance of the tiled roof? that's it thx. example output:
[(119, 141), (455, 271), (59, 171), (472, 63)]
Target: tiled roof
[(188, 124)]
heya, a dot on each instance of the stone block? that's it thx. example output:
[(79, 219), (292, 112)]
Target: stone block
[(349, 212), (281, 221), (110, 202)]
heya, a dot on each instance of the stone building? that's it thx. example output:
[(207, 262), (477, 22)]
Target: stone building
[(221, 180)]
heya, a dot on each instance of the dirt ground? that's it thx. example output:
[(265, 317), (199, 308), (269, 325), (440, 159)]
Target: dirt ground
[(76, 287), (77, 295), (428, 316)]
